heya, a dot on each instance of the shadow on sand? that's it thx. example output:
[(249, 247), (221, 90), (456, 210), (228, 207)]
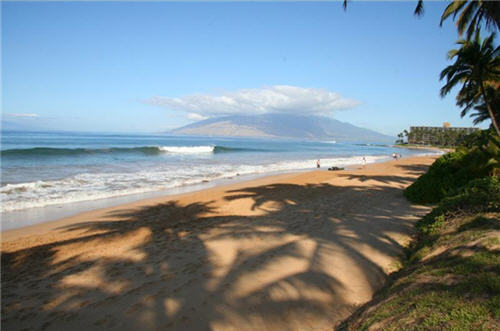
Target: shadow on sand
[(299, 258)]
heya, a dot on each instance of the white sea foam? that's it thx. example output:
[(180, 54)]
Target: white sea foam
[(187, 149), (92, 186)]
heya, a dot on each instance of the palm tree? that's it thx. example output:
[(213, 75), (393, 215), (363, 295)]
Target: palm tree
[(400, 139), (477, 68), (471, 14), (481, 113)]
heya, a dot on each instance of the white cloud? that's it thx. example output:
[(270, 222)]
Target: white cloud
[(273, 99), (196, 117), (18, 115)]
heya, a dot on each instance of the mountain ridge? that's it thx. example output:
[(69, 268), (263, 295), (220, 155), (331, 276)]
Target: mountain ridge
[(282, 126)]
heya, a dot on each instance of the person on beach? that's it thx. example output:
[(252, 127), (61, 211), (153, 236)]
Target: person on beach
[(318, 164), (364, 161)]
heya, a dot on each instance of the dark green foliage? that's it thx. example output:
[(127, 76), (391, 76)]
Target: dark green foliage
[(477, 157), (446, 174), (479, 195), (486, 140)]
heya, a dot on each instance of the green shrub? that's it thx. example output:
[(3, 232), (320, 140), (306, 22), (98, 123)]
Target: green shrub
[(478, 157), (446, 174), (479, 195)]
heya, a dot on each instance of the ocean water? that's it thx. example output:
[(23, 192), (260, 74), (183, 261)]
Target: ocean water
[(41, 169)]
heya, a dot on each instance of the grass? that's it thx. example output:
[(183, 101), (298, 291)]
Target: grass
[(451, 281)]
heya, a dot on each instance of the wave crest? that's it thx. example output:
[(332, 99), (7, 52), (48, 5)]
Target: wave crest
[(147, 150), (187, 149)]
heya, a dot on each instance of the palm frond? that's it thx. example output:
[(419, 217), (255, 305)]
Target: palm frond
[(476, 70), (450, 84), (452, 53), (473, 24), (453, 8), (480, 115), (419, 9), (466, 16)]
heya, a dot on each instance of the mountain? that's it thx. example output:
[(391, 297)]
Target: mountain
[(282, 125)]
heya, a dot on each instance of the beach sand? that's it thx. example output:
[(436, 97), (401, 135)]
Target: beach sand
[(288, 252)]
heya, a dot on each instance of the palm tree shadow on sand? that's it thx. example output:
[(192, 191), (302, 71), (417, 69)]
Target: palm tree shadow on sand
[(298, 258)]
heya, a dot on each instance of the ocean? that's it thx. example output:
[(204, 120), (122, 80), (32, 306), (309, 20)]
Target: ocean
[(44, 171)]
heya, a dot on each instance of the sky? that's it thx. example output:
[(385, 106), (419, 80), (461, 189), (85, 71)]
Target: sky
[(155, 66)]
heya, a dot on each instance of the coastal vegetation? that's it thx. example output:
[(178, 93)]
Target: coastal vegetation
[(477, 157), (450, 275)]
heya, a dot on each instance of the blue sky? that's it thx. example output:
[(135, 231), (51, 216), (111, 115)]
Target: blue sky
[(154, 66)]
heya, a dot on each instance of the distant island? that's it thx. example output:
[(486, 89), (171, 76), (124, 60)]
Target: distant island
[(284, 126)]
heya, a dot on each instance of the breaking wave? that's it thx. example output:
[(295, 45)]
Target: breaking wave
[(92, 186), (148, 150)]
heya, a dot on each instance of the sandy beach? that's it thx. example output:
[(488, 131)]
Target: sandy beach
[(288, 252)]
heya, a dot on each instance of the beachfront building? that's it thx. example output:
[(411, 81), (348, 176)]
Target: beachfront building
[(445, 135)]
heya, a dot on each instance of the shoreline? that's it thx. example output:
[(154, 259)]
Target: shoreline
[(61, 211), (290, 251), (51, 213), (57, 213), (46, 226)]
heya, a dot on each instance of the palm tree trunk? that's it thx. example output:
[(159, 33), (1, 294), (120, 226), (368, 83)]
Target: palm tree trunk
[(488, 106)]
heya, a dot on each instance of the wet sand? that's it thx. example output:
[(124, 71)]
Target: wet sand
[(287, 252)]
